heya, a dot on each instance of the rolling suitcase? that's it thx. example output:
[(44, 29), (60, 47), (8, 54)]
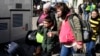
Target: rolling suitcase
[(13, 49)]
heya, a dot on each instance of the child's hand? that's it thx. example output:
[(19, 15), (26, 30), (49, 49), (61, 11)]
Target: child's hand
[(50, 34)]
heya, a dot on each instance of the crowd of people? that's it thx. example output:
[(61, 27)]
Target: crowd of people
[(71, 32)]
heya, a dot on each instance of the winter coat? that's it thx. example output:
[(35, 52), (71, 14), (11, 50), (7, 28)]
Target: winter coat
[(48, 42), (76, 26)]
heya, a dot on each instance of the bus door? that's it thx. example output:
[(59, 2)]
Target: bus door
[(19, 23)]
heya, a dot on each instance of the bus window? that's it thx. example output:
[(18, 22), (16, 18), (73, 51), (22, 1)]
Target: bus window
[(3, 26), (17, 20)]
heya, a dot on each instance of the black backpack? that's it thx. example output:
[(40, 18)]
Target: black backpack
[(31, 38)]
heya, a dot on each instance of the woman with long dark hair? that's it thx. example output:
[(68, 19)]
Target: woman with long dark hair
[(67, 35)]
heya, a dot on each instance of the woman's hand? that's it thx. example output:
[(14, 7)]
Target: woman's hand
[(79, 45)]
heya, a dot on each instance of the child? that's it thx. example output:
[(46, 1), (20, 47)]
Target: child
[(50, 38)]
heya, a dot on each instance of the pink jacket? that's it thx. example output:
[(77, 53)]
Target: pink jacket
[(66, 33)]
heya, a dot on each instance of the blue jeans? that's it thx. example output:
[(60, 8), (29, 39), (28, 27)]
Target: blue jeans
[(86, 16), (90, 48), (66, 51)]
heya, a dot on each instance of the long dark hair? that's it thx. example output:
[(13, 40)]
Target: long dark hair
[(96, 10), (64, 8)]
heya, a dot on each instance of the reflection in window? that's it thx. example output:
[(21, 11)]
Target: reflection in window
[(3, 26), (17, 20)]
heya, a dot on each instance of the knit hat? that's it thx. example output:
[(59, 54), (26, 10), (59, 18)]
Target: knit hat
[(47, 5)]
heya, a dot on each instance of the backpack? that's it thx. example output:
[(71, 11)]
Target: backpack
[(82, 24), (31, 37), (85, 29), (80, 20)]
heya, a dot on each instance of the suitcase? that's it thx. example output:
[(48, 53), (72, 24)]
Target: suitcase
[(12, 47)]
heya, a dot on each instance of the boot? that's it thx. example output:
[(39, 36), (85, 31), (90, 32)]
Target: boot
[(38, 51)]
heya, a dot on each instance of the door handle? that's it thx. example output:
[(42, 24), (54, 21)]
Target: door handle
[(26, 27)]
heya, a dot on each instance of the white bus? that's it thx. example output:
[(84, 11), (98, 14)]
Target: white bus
[(15, 22), (15, 19)]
